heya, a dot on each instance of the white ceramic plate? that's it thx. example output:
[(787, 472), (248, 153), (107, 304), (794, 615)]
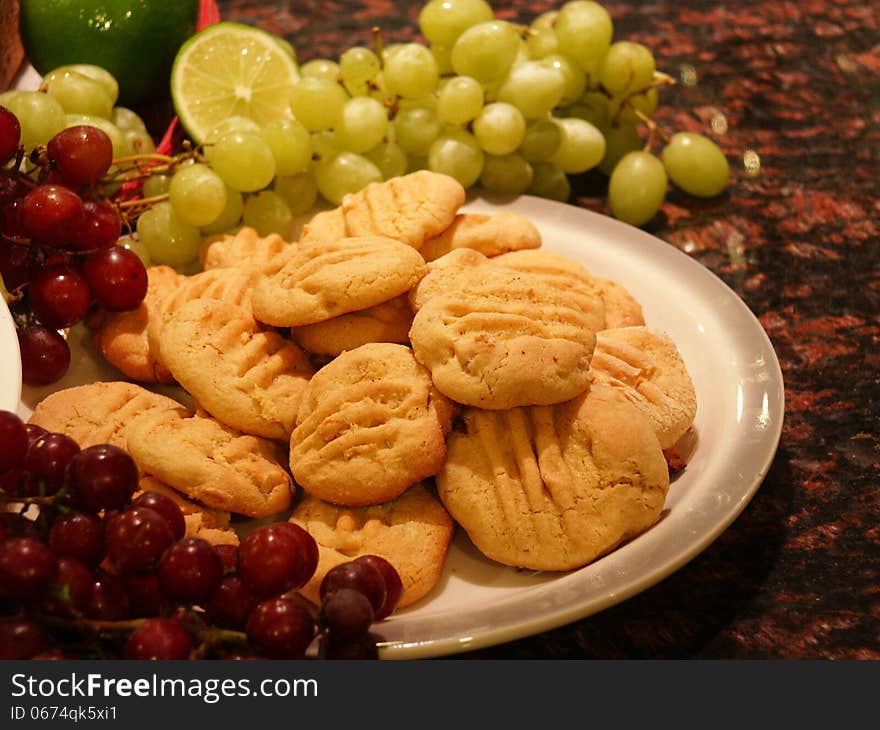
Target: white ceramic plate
[(10, 362), (479, 603)]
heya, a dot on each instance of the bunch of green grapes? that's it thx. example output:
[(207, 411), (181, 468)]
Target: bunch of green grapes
[(510, 108)]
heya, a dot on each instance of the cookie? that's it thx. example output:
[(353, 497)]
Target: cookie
[(645, 366), (554, 487), (491, 234), (327, 225), (249, 378), (370, 425), (411, 208), (243, 249), (451, 271), (328, 279), (412, 533), (386, 322), (100, 413), (211, 463), (501, 338), (621, 308), (121, 337)]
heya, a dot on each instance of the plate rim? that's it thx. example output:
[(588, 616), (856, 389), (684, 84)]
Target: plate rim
[(9, 342)]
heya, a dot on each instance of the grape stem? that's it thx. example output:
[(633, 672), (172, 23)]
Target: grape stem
[(654, 129)]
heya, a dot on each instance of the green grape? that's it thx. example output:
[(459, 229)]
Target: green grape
[(40, 115), (541, 141), (229, 217), (696, 164), (411, 72), (443, 56), (416, 163), (126, 119), (581, 148), (138, 248), (626, 68), (317, 102), (424, 102), (234, 123), (244, 161), (456, 153), (592, 107), (357, 67), (168, 239), (415, 130), (363, 124), (486, 51), (197, 194), (533, 87), (96, 73), (138, 142), (460, 100), (345, 173), (156, 185), (574, 81), (321, 68), (508, 174), (267, 212), (637, 188), (646, 101), (5, 96), (325, 144), (443, 21), (389, 157), (545, 21), (619, 140), (583, 31), (541, 38), (291, 145), (500, 128), (549, 181), (117, 138), (299, 191), (78, 94)]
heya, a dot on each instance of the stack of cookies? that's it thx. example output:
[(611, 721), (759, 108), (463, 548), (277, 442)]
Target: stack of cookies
[(402, 369)]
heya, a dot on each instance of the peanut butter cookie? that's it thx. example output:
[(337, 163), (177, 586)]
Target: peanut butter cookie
[(491, 234)]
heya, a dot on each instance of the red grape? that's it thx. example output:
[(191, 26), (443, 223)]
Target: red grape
[(167, 508), (78, 535), (281, 628), (228, 556), (27, 567), (159, 638), (10, 135), (82, 154), (308, 545), (103, 477), (101, 226), (47, 460), (13, 441), (359, 647), (136, 538), (12, 218), (59, 296), (21, 638), (347, 613), (72, 590), (359, 576), (190, 571), (16, 264), (109, 600), (117, 278), (144, 595), (271, 561), (34, 432), (393, 583), (231, 604), (51, 214), (45, 356)]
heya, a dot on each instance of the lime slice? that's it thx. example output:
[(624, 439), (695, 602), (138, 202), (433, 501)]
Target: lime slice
[(230, 69)]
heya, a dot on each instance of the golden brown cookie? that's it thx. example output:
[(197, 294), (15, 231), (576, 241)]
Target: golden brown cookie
[(451, 271), (100, 413), (491, 234), (645, 366), (245, 376), (621, 308), (370, 425), (244, 249), (411, 208), (501, 339), (412, 533), (554, 487), (121, 337), (211, 463), (386, 322), (327, 225), (324, 279)]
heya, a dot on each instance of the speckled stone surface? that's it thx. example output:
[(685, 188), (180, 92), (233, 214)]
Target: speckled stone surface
[(795, 87)]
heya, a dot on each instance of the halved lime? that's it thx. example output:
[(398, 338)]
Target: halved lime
[(230, 69)]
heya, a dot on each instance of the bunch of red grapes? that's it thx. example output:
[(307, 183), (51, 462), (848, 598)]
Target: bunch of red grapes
[(98, 572), (58, 235)]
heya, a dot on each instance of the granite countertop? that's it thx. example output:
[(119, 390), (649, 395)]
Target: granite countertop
[(792, 93)]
